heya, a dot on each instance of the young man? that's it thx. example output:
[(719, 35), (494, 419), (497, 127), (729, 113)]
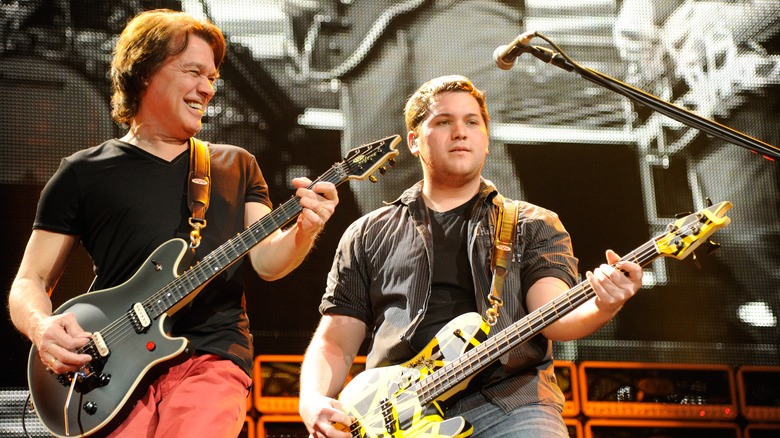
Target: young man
[(127, 196), (404, 270)]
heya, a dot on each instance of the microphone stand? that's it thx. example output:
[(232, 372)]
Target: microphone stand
[(682, 115)]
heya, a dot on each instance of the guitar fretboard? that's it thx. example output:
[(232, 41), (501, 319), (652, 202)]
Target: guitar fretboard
[(232, 250), (478, 358), (215, 262)]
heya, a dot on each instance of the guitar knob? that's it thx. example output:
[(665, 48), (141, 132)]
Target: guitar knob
[(105, 379), (90, 407)]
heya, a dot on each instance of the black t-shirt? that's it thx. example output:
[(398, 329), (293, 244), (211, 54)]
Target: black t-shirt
[(124, 202), (452, 285)]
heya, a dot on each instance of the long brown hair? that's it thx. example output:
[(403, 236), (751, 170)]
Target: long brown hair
[(144, 45)]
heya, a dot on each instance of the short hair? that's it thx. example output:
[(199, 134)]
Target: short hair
[(418, 105), (144, 45)]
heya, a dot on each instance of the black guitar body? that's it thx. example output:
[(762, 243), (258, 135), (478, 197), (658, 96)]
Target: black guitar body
[(98, 397)]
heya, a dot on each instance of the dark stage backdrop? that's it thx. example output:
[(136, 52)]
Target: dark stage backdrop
[(616, 173)]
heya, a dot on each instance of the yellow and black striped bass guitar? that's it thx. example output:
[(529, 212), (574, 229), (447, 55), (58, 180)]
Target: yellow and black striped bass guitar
[(402, 401)]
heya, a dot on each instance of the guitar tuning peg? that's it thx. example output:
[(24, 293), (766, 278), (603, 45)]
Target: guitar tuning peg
[(391, 162), (711, 246), (695, 260), (382, 170), (372, 178), (682, 215), (709, 201)]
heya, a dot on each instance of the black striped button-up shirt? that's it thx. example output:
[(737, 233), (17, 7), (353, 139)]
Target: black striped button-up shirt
[(381, 275)]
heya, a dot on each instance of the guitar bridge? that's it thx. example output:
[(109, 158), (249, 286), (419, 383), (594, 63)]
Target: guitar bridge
[(87, 378)]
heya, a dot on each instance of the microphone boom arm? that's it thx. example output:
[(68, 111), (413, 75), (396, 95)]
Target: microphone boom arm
[(670, 110)]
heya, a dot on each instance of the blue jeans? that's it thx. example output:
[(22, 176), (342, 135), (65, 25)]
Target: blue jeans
[(490, 421)]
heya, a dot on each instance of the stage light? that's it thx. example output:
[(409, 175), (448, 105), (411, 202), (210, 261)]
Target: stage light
[(757, 314)]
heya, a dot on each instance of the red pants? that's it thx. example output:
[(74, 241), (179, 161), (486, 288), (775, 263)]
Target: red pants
[(203, 397)]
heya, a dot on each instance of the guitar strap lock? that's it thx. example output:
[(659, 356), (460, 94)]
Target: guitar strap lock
[(199, 188), (506, 225)]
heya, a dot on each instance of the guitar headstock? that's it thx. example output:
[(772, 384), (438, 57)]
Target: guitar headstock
[(687, 233), (364, 160)]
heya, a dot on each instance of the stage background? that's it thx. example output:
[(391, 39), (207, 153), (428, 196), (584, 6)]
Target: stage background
[(616, 174)]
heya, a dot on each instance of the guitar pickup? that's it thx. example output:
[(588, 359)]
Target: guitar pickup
[(388, 416), (100, 344), (139, 318)]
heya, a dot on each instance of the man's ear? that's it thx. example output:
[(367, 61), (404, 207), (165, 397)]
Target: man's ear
[(411, 141)]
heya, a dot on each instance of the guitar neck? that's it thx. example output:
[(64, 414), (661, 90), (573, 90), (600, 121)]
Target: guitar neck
[(232, 250), (479, 357)]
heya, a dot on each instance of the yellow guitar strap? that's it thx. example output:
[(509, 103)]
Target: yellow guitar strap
[(199, 188), (506, 224)]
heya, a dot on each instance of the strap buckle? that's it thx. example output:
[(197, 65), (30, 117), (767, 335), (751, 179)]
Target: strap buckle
[(501, 259), (197, 225), (492, 313)]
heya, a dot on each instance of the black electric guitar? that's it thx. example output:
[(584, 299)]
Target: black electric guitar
[(128, 322), (402, 401)]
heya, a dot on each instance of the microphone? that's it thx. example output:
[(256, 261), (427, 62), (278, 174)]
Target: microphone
[(505, 55)]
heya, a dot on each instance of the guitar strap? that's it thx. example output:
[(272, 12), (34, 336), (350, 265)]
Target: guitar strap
[(199, 188), (506, 225)]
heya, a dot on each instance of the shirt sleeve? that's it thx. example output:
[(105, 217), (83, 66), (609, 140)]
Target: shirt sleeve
[(348, 290), (256, 188), (58, 205), (548, 250)]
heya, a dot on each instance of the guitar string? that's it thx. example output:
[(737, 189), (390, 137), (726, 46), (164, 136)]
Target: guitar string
[(516, 333), (117, 331), (341, 169), (157, 302), (149, 304), (423, 387), (553, 310), (423, 384)]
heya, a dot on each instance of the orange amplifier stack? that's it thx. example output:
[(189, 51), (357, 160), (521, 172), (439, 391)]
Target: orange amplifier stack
[(276, 388), (658, 391), (759, 400), (759, 393), (567, 379), (629, 399), (574, 427), (613, 428), (277, 382)]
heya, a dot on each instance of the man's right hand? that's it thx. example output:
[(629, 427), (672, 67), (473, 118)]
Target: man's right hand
[(57, 338), (324, 417)]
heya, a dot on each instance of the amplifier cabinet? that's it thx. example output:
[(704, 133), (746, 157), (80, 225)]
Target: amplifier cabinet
[(759, 393), (566, 377), (762, 431), (15, 418), (604, 428), (291, 426), (281, 426), (276, 381), (248, 430), (574, 427), (657, 391)]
